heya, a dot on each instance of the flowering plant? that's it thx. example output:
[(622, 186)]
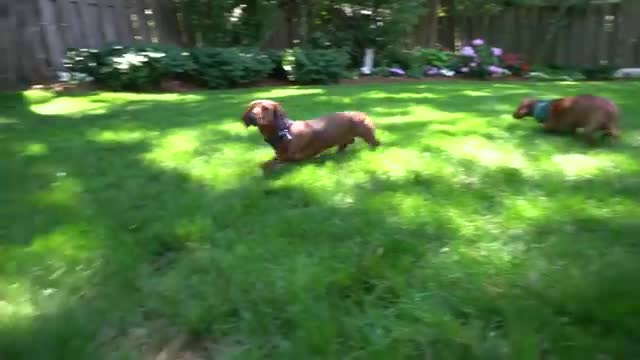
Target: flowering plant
[(515, 63), (397, 72), (480, 60)]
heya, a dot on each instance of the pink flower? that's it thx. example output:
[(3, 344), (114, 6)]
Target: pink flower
[(477, 42), (468, 51), (497, 52)]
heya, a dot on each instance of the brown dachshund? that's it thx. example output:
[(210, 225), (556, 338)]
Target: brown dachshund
[(302, 140), (567, 115)]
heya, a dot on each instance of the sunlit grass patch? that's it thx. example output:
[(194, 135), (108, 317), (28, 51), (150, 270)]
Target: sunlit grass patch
[(444, 240)]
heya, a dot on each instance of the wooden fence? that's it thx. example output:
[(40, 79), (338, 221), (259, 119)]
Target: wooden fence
[(35, 33), (606, 33)]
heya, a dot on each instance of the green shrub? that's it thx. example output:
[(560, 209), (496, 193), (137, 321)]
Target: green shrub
[(278, 71), (176, 63), (118, 67), (228, 67), (395, 57), (555, 73), (138, 67), (143, 67), (315, 66), (82, 61), (428, 58), (431, 57), (602, 72)]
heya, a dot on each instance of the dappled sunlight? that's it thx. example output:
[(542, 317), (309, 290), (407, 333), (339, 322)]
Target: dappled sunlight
[(398, 95), (99, 103), (33, 149), (16, 303), (36, 278), (7, 121), (120, 136), (36, 96), (211, 160), (159, 200), (284, 92), (580, 165), (64, 191), (485, 152), (79, 106), (175, 148), (477, 93), (397, 162), (231, 127)]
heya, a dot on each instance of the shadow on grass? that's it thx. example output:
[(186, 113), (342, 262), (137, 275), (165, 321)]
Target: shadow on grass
[(327, 273)]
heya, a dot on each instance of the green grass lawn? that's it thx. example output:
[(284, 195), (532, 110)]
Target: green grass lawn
[(129, 221)]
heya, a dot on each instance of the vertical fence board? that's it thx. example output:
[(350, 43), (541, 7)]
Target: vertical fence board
[(614, 36), (140, 24), (40, 64), (123, 21), (635, 42), (51, 34), (109, 22), (7, 28), (62, 22), (561, 42), (91, 12)]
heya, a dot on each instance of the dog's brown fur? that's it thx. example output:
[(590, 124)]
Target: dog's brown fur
[(310, 137), (566, 115)]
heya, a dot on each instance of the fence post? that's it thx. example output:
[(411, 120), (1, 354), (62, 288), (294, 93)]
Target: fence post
[(51, 34)]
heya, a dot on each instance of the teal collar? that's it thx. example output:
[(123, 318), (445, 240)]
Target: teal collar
[(541, 110)]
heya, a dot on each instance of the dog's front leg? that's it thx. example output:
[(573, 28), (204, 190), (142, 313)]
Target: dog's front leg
[(271, 165), (549, 126)]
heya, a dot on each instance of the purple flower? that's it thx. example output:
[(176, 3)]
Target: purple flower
[(496, 70), (473, 64), (497, 52), (430, 70), (477, 42), (468, 51), (464, 69), (397, 72)]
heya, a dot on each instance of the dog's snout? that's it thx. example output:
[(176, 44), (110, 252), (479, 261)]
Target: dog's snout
[(250, 119)]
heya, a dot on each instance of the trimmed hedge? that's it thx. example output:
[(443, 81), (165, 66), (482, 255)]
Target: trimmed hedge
[(144, 67)]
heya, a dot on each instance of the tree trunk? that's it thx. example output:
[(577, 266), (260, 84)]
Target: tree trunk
[(447, 29), (433, 12)]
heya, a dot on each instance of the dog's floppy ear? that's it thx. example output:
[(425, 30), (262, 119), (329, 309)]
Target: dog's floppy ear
[(278, 113)]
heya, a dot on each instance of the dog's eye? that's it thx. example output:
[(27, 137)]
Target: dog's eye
[(264, 107)]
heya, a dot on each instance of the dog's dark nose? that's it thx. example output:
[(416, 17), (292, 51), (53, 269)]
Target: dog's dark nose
[(250, 119)]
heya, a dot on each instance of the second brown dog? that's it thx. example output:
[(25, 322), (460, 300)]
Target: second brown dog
[(566, 115), (302, 140)]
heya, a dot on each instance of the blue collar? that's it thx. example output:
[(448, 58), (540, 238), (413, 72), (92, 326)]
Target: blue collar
[(283, 133), (541, 110)]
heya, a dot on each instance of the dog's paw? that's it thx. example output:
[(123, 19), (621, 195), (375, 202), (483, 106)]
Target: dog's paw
[(270, 166)]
